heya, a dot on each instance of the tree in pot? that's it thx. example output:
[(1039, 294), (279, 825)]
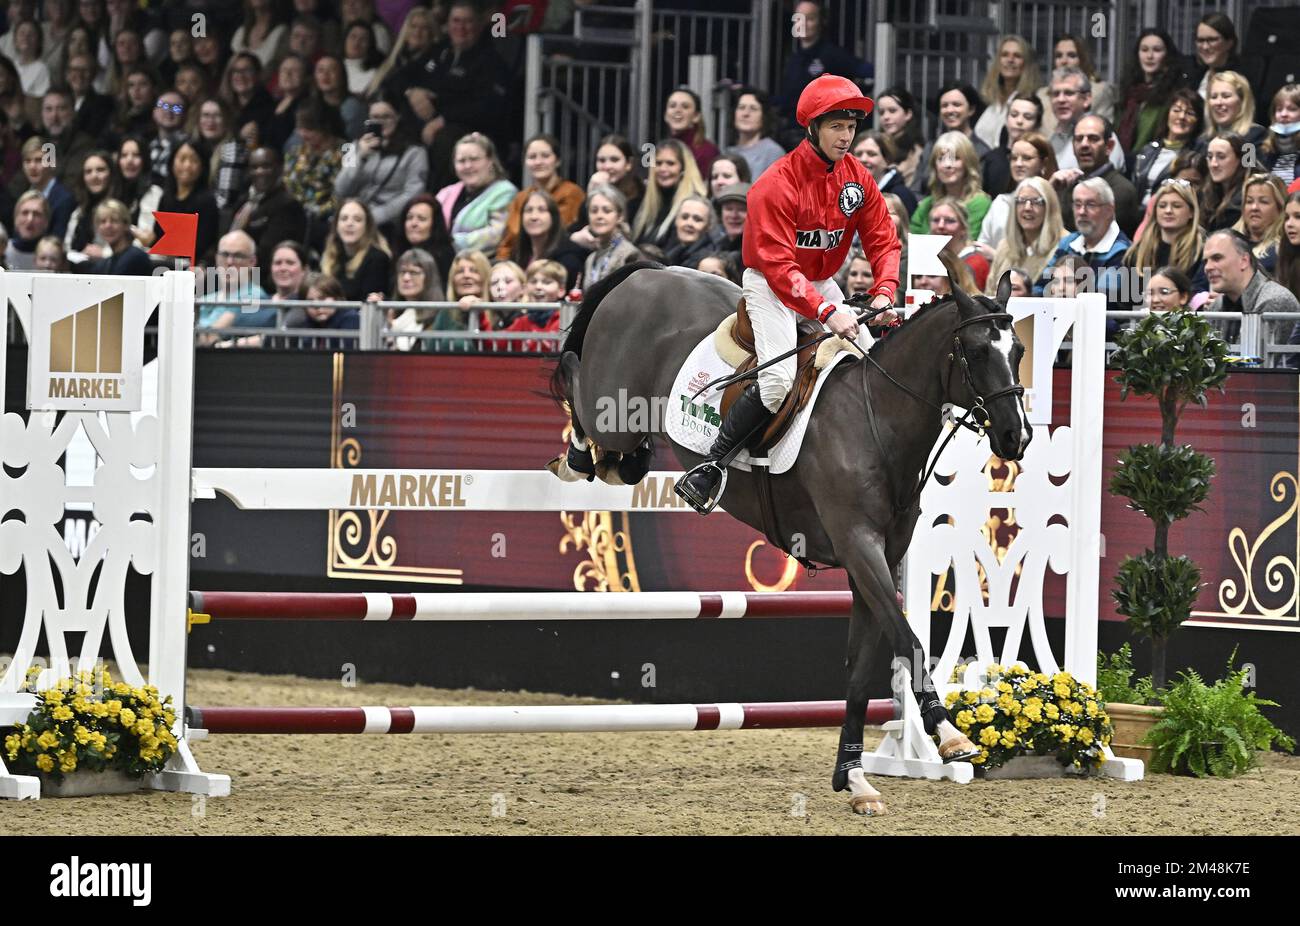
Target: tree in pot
[(1176, 358)]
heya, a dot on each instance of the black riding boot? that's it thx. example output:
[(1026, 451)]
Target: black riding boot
[(702, 486)]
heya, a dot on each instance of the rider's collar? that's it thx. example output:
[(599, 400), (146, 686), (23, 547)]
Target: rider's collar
[(827, 162)]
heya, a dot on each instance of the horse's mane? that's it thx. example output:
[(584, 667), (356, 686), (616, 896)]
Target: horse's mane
[(577, 332), (929, 310)]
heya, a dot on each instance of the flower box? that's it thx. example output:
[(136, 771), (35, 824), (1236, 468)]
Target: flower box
[(83, 784), (1029, 767)]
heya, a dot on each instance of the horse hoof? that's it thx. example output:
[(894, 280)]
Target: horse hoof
[(958, 749), (868, 805)]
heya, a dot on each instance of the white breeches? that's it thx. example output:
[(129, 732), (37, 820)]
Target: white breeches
[(774, 334)]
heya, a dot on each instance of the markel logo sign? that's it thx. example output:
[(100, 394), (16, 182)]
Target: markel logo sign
[(87, 344)]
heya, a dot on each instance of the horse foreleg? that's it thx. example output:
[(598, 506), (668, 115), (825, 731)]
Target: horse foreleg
[(864, 637)]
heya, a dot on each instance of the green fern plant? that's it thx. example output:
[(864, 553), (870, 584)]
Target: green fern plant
[(1212, 729), (1115, 683)]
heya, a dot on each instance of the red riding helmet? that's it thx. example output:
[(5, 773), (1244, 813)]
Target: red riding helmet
[(829, 93)]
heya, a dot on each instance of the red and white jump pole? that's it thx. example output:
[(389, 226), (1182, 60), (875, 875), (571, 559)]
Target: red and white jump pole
[(579, 718), (516, 606)]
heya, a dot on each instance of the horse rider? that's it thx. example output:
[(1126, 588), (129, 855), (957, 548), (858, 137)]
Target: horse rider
[(803, 213)]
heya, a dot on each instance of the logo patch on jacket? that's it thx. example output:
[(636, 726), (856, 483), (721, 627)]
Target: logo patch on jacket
[(818, 239), (851, 198)]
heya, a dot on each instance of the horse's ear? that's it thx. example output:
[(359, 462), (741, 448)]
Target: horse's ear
[(1004, 290), (965, 303)]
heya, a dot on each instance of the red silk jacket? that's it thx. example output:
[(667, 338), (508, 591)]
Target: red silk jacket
[(803, 212)]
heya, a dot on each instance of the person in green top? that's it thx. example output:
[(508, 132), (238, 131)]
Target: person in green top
[(1153, 73), (954, 171)]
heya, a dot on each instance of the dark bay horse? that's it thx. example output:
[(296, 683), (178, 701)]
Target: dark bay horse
[(851, 498)]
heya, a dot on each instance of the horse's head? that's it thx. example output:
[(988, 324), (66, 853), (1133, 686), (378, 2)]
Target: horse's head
[(985, 370)]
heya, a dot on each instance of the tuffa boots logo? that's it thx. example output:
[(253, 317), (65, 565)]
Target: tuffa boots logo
[(87, 351)]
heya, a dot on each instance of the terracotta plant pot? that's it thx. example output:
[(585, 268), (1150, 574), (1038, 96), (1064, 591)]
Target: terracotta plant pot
[(1132, 721)]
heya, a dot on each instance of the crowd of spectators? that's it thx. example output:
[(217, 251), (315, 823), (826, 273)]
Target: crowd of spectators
[(357, 149)]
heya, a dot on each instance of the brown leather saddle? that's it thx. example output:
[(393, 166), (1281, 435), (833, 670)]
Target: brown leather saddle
[(804, 380)]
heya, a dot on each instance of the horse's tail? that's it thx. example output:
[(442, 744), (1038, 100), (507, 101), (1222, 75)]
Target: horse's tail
[(562, 377)]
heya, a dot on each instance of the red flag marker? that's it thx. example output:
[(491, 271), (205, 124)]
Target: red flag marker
[(179, 231)]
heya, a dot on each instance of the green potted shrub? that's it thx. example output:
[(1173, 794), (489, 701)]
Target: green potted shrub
[(1212, 729), (1176, 358)]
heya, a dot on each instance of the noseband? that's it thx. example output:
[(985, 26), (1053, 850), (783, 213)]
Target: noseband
[(959, 354)]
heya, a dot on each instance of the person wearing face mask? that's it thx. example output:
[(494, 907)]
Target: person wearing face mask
[(1280, 148), (607, 220), (269, 213), (542, 163), (692, 237), (803, 215)]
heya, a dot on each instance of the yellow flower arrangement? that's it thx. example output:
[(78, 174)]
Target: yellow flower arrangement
[(88, 722), (1015, 712)]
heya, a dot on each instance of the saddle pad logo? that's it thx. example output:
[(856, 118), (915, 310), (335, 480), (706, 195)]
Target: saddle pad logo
[(851, 198)]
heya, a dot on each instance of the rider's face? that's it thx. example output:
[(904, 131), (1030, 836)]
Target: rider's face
[(834, 136)]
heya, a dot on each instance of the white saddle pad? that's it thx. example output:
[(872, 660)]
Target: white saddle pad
[(694, 425)]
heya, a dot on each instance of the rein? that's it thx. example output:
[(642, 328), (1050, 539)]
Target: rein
[(958, 355)]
